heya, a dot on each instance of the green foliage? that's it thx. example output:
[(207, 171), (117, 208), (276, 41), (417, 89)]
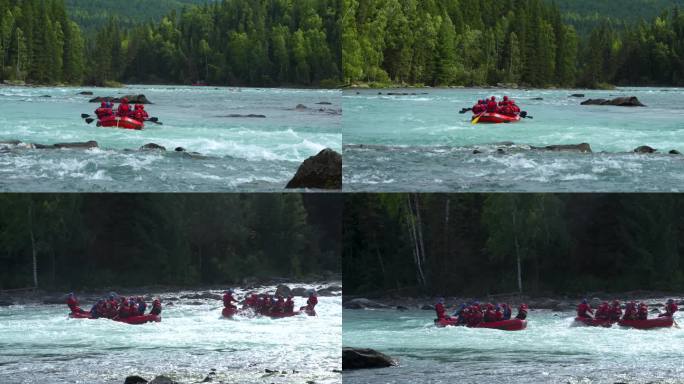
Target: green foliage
[(233, 42), (38, 43), (129, 240), (457, 42), (566, 243)]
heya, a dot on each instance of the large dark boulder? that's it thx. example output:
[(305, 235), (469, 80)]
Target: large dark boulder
[(153, 147), (356, 358), (618, 102), (323, 171), (645, 149), (299, 292), (135, 380), (132, 99), (363, 304), (583, 148), (161, 379), (283, 290)]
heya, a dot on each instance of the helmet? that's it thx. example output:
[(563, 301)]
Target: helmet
[(104, 104), (124, 100), (584, 301), (616, 303), (440, 300), (670, 301), (505, 98), (493, 98), (490, 306)]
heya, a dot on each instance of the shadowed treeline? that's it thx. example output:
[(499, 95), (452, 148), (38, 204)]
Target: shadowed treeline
[(472, 243), (95, 240)]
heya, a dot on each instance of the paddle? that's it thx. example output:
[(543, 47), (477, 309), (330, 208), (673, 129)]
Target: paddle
[(84, 115), (89, 120), (155, 120), (524, 115), (477, 119), (464, 110)]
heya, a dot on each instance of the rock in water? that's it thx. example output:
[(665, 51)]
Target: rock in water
[(135, 380), (89, 93), (152, 147), (299, 292), (427, 307), (353, 358), (161, 379), (363, 303), (86, 145), (675, 152), (301, 107), (132, 99), (584, 148), (577, 95), (645, 149), (618, 102), (323, 171), (283, 290)]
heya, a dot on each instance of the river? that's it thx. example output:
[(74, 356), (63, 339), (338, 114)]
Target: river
[(550, 350), (419, 142), (39, 344), (237, 154)]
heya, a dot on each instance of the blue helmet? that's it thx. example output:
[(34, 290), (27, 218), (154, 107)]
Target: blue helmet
[(440, 300), (584, 301)]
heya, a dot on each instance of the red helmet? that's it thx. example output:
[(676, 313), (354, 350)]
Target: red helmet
[(104, 104), (493, 98), (124, 100), (505, 98), (616, 303)]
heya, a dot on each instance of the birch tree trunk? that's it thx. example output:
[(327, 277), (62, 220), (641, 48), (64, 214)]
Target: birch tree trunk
[(33, 244)]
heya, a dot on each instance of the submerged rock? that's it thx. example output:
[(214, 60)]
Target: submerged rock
[(250, 116), (577, 95), (135, 380), (675, 152), (88, 93), (645, 149), (363, 304), (583, 148), (301, 107), (355, 358), (323, 171), (161, 379), (86, 145), (153, 147), (324, 103), (618, 102), (132, 99)]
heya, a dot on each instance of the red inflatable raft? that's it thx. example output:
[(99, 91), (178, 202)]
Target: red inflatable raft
[(149, 318), (658, 322), (589, 322), (504, 325), (123, 123), (230, 312), (496, 118)]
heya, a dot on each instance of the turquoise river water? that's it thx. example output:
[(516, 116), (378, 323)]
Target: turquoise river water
[(238, 154), (39, 344), (421, 143), (550, 350)]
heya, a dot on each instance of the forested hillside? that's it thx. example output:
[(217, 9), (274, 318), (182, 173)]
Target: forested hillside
[(466, 42), (131, 240), (585, 15), (38, 42), (525, 42), (92, 14), (238, 42), (229, 42), (471, 243)]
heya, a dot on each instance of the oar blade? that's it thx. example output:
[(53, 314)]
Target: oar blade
[(89, 120), (84, 115)]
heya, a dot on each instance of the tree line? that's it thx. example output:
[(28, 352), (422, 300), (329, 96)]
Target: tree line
[(99, 240), (231, 42), (477, 244), (487, 42)]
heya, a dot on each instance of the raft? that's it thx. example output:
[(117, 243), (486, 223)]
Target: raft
[(135, 320), (123, 123), (503, 325), (589, 322), (230, 312), (497, 118), (658, 322)]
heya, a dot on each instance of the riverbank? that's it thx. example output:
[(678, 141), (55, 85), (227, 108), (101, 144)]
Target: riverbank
[(556, 303), (328, 286), (380, 85)]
